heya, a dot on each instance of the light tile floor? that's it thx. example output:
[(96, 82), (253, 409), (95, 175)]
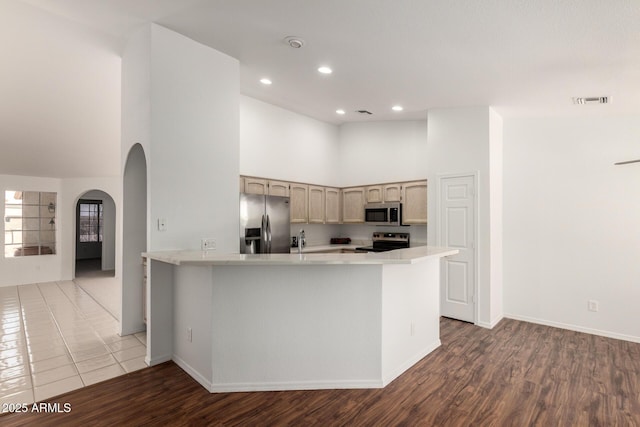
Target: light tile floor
[(54, 338)]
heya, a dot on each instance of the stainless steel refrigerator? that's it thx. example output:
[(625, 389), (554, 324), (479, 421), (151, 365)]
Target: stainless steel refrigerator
[(264, 224)]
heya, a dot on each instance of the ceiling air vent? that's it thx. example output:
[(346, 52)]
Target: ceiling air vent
[(364, 112), (592, 100)]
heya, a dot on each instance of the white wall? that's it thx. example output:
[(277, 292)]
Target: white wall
[(572, 223), (298, 148), (48, 268), (496, 208), (377, 152), (280, 144), (460, 141), (193, 166)]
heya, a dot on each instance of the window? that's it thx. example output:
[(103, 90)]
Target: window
[(29, 223), (90, 221)]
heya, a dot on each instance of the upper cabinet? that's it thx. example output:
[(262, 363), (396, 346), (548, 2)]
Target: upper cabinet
[(374, 194), (414, 203), (299, 202), (316, 205), (385, 193), (327, 205), (392, 192), (256, 185), (353, 201), (278, 188), (332, 205)]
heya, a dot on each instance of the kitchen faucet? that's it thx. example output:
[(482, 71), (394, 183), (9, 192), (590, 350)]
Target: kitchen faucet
[(302, 241)]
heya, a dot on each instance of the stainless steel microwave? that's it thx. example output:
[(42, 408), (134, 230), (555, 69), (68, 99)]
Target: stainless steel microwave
[(383, 213)]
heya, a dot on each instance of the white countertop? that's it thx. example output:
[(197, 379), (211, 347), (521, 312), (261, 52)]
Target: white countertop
[(325, 248), (206, 258)]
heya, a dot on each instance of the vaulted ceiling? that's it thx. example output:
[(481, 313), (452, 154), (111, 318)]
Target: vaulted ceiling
[(60, 78)]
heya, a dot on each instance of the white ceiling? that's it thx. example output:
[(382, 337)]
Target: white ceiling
[(522, 57)]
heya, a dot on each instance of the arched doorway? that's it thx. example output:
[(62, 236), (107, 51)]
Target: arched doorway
[(95, 235), (134, 240)]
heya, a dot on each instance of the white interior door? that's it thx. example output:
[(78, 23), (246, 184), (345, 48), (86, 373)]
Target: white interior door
[(457, 230)]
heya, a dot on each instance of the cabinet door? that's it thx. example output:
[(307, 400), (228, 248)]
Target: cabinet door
[(414, 203), (332, 205), (278, 188), (255, 186), (299, 202), (374, 194), (353, 200), (392, 192), (316, 204)]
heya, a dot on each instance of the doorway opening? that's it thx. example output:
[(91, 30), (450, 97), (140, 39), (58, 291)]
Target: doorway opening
[(134, 241), (95, 235)]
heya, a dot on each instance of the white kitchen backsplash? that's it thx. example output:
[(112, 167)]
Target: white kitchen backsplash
[(360, 234)]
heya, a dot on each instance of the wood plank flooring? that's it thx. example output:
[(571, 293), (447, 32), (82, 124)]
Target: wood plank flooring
[(518, 374)]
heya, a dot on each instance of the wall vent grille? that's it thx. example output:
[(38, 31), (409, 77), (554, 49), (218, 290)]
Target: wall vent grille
[(592, 100)]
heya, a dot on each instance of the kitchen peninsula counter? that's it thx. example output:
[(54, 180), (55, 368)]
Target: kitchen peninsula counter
[(293, 321), (399, 256)]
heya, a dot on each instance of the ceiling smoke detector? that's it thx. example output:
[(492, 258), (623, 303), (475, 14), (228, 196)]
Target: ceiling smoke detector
[(592, 100), (294, 42)]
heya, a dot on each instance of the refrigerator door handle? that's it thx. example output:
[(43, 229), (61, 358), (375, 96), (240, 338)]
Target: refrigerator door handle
[(268, 235), (263, 236)]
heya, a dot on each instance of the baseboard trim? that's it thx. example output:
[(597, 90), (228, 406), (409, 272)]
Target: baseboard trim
[(193, 373), (387, 379), (157, 360), (294, 385), (575, 328), (491, 324)]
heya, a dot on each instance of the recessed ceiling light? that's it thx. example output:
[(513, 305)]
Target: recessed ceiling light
[(325, 70), (340, 111), (397, 108), (294, 42), (265, 81)]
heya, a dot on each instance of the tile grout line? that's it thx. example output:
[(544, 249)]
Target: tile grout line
[(26, 345), (61, 335), (97, 302), (79, 310), (51, 293)]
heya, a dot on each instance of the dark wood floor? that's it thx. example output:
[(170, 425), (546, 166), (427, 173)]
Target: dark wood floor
[(518, 374)]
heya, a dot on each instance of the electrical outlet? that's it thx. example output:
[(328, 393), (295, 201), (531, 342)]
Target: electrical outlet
[(189, 335), (208, 244), (592, 305)]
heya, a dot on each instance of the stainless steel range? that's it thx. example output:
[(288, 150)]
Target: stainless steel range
[(383, 242)]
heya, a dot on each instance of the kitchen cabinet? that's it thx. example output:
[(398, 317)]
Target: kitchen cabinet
[(299, 202), (374, 194), (332, 205), (279, 188), (392, 193), (414, 202), (327, 205), (256, 185), (353, 201), (316, 204)]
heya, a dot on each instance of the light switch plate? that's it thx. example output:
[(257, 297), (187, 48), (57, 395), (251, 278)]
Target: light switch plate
[(162, 224)]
